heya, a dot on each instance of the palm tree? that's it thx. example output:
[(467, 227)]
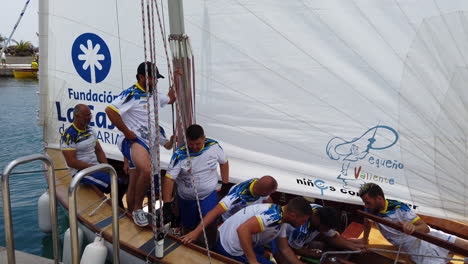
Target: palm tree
[(2, 39), (23, 48)]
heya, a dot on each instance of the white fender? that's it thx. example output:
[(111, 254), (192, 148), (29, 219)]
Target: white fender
[(43, 213), (67, 253), (95, 253)]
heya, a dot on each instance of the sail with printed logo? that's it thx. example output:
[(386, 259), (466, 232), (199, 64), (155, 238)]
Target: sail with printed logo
[(322, 95)]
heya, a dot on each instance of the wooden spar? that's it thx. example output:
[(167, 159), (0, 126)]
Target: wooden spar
[(426, 237)]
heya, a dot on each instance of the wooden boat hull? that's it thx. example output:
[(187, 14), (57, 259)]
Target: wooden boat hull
[(136, 243), (25, 73)]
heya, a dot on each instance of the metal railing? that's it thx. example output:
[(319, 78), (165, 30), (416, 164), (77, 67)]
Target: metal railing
[(5, 179), (73, 210)]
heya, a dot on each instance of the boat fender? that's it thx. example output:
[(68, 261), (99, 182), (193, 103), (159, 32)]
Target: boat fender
[(67, 253), (95, 253), (43, 212), (160, 245)]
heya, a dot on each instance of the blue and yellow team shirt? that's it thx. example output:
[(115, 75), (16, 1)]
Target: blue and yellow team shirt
[(240, 196), (201, 165), (82, 141), (396, 211), (270, 220), (300, 236), (132, 106)]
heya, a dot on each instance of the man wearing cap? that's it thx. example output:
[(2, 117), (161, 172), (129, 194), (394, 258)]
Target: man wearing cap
[(129, 113)]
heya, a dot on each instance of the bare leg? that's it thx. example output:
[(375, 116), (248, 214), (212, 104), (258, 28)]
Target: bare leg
[(141, 159), (131, 189)]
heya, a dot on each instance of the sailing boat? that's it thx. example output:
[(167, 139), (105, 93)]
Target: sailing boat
[(323, 95)]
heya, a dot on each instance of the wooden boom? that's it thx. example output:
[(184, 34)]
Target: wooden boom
[(426, 237)]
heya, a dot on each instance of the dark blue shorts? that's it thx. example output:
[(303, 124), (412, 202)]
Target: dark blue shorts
[(126, 150), (188, 210), (99, 179), (259, 251)]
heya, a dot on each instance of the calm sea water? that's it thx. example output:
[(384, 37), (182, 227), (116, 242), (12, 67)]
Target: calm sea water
[(22, 137)]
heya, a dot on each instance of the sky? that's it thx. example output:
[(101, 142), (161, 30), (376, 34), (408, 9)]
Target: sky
[(29, 25)]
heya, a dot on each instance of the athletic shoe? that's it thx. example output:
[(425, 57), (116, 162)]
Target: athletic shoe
[(139, 217)]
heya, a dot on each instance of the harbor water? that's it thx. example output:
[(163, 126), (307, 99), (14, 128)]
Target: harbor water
[(21, 136)]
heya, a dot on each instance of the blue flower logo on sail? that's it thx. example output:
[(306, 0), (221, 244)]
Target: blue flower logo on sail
[(351, 151), (91, 57)]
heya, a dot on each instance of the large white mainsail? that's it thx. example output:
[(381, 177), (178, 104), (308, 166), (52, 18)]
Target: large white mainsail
[(323, 95)]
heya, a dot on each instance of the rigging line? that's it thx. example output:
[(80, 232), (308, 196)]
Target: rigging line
[(182, 123), (417, 255), (92, 204), (376, 72), (95, 29), (163, 37), (158, 132), (170, 81), (152, 94), (148, 101), (33, 171), (120, 49)]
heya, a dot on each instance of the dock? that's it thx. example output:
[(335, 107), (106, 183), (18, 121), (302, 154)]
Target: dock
[(24, 258), (14, 63)]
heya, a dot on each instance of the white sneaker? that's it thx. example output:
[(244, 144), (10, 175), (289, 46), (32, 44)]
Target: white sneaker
[(139, 217)]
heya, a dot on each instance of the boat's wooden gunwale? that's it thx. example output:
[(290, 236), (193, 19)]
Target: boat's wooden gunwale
[(187, 252)]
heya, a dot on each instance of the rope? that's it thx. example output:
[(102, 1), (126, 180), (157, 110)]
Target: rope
[(120, 50), (180, 119), (148, 105), (324, 255), (398, 254), (158, 135), (34, 171), (99, 206), (412, 254)]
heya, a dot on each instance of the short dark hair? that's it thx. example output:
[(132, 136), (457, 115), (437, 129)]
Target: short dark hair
[(195, 132), (372, 189), (328, 217), (299, 205), (142, 70)]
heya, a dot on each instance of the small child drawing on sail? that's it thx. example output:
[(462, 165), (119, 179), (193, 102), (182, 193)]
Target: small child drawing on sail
[(358, 148)]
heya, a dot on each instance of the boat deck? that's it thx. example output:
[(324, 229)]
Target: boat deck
[(137, 241), (376, 240)]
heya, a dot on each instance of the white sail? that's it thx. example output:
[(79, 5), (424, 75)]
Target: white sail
[(323, 95)]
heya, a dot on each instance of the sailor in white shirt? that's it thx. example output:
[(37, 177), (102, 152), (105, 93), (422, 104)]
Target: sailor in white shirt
[(81, 150), (396, 211), (249, 192), (244, 234), (201, 166), (129, 113)]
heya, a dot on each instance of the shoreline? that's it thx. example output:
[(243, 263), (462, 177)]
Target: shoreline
[(13, 63)]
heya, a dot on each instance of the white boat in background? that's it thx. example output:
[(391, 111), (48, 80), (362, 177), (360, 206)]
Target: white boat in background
[(322, 95)]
